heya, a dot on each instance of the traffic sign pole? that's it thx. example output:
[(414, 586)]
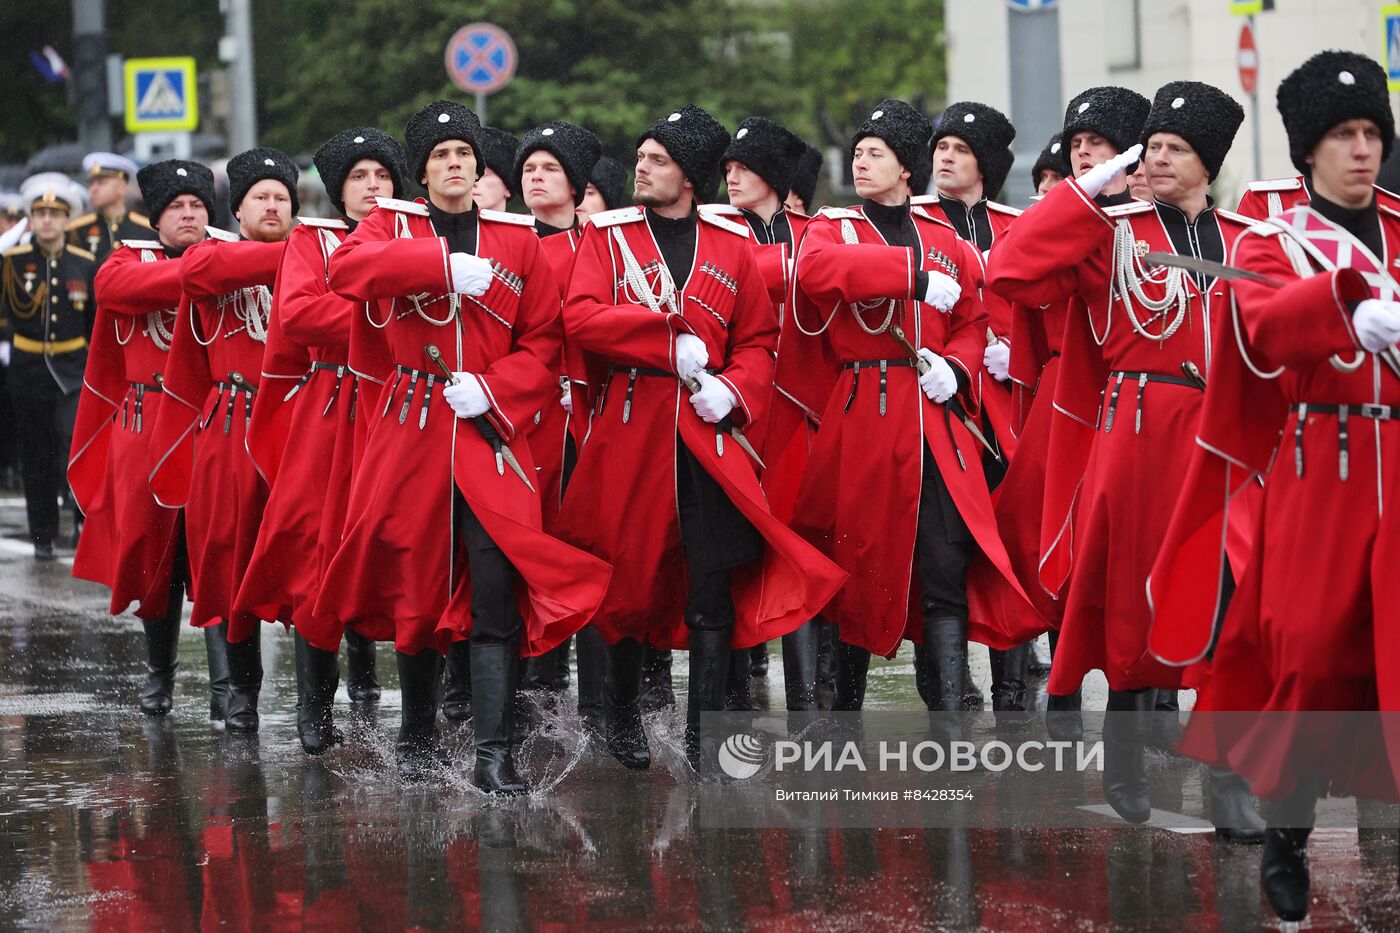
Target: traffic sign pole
[(481, 107), (1252, 86)]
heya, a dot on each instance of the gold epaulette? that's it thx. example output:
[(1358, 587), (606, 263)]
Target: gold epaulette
[(79, 251)]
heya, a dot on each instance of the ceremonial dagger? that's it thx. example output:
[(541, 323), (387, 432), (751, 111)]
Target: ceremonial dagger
[(1390, 356), (922, 366), (504, 457), (727, 425)]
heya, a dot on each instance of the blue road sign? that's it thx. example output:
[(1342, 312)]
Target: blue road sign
[(481, 58)]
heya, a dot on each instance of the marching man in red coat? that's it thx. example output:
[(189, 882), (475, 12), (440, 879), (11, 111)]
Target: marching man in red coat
[(678, 332), (552, 166), (455, 350), (894, 488), (302, 434), (131, 544), (758, 168), (971, 159), (1308, 401), (210, 380), (1136, 347)]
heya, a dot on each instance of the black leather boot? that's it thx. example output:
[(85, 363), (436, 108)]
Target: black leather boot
[(738, 695), (542, 671), (1009, 669), (245, 676), (457, 683), (592, 657), (1283, 868), (800, 668), (852, 668), (494, 670), (710, 665), (1166, 722), (216, 648), (1232, 808), (1283, 872), (758, 660), (1126, 727), (1064, 721), (945, 647), (361, 678), (318, 674), (622, 710), (417, 750), (971, 693), (162, 641), (826, 661), (657, 691)]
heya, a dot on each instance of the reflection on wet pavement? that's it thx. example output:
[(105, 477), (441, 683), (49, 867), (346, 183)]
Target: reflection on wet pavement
[(111, 820)]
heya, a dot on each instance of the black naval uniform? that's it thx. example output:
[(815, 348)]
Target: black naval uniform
[(46, 311), (100, 236)]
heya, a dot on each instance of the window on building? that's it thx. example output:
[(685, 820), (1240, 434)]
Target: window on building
[(1124, 35)]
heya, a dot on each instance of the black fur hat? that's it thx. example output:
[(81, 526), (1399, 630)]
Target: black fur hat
[(696, 140), (988, 133), (1330, 88), (163, 182), (498, 150), (804, 177), (908, 133), (1115, 113), (768, 149), (610, 178), (338, 155), (1053, 158), (1202, 114), (439, 121), (248, 168), (576, 148)]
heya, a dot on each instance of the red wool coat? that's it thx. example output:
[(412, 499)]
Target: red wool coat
[(301, 437), (1314, 624), (214, 480), (860, 497), (1112, 480), (552, 423), (129, 541), (621, 502), (399, 568)]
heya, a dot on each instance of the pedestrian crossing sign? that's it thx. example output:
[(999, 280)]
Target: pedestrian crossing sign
[(1390, 36), (161, 94)]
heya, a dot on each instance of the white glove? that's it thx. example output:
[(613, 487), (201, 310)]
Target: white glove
[(943, 291), (1098, 177), (471, 275), (940, 383), (466, 398), (691, 356), (566, 397), (5, 354), (1377, 324), (714, 400), (997, 359)]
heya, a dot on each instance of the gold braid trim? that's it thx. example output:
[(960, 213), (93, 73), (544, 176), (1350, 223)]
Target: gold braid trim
[(21, 304)]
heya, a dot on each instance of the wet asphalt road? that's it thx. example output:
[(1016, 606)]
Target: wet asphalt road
[(112, 820)]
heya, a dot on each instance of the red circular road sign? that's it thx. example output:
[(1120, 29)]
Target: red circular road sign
[(1248, 58), (481, 58)]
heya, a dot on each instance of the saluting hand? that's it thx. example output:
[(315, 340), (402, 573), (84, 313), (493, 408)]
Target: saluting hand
[(1097, 178), (943, 291)]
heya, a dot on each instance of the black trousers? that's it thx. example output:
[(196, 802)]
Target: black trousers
[(716, 538), (495, 617), (945, 547), (45, 422)]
